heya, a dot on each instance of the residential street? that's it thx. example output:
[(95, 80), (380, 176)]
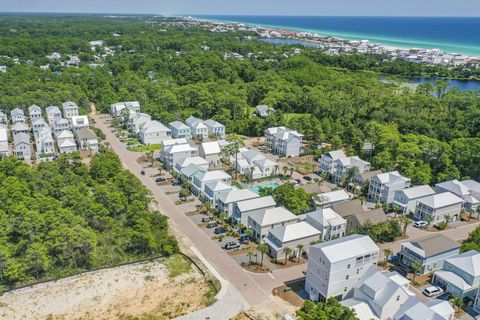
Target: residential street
[(255, 289)]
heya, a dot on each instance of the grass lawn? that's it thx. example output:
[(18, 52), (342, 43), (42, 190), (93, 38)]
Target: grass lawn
[(150, 147)]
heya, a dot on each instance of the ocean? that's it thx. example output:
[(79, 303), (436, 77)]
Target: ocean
[(453, 35)]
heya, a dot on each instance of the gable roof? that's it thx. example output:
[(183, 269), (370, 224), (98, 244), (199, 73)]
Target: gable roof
[(17, 111), (366, 176), (3, 134), (390, 177), (326, 216), (472, 185), (65, 134), (67, 143), (199, 161), (257, 203), (468, 261), (178, 125), (211, 175), (191, 169), (213, 124), (69, 104), (417, 191), (348, 208), (332, 196), (52, 109), (371, 217), (34, 109), (154, 126), (440, 200), (291, 232), (20, 126), (347, 247), (21, 138), (210, 148), (273, 216), (171, 142), (86, 133), (237, 195), (432, 245), (455, 187), (336, 154)]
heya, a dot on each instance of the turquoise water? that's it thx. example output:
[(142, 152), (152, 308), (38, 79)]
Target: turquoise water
[(272, 185), (453, 35)]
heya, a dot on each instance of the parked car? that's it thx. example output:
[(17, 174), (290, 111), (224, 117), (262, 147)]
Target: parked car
[(176, 183), (432, 291), (158, 180), (308, 178), (206, 219), (142, 172), (212, 224), (420, 224), (231, 245), (219, 230)]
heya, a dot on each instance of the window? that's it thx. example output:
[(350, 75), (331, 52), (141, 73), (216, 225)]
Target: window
[(398, 298), (348, 267), (346, 277), (345, 289)]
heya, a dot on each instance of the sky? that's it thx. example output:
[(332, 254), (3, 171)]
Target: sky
[(253, 7)]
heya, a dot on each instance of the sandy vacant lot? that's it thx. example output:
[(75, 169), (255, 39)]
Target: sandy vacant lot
[(161, 289)]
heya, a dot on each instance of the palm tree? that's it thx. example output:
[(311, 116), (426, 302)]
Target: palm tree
[(263, 248), (285, 169), (287, 251), (275, 169), (429, 219), (415, 266), (387, 252), (405, 221), (457, 303), (299, 249), (291, 171), (250, 255), (351, 173), (231, 150)]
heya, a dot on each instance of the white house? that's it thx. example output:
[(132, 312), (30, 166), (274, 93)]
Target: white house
[(383, 186), (87, 139), (284, 141), (53, 113), (116, 108), (44, 142), (201, 179), (21, 146), (263, 111), (330, 223), (154, 132), (70, 109), (189, 171), (210, 151), (254, 165), (79, 122), (3, 117), (198, 128), (436, 309), (180, 130), (60, 125), (215, 128), (294, 236), (34, 112), (334, 267), (437, 206), (138, 120), (407, 198), (214, 189), (226, 200), (17, 115), (4, 149), (20, 127), (328, 199), (66, 142), (264, 221), (327, 160), (470, 200), (37, 125), (196, 160), (342, 165), (172, 154), (243, 209)]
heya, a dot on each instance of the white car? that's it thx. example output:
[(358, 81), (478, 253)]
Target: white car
[(432, 291), (420, 224)]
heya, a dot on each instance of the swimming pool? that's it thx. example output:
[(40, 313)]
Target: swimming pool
[(272, 185)]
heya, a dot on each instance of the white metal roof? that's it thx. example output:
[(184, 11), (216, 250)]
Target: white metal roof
[(178, 125), (440, 200), (336, 154), (468, 261), (210, 148), (199, 161), (418, 191), (333, 196), (3, 134), (326, 216), (171, 142), (452, 278), (154, 126), (212, 175), (455, 187), (347, 247), (389, 177), (252, 204), (236, 195), (273, 216), (294, 231), (472, 185)]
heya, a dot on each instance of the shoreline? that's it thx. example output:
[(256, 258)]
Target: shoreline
[(340, 36)]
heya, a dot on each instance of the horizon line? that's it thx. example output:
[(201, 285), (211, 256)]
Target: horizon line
[(228, 14)]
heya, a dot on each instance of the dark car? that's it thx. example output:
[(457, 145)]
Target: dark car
[(176, 183), (308, 178), (212, 224), (219, 230), (158, 180), (231, 245), (142, 173)]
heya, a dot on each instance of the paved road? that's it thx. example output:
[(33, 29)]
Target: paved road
[(223, 263)]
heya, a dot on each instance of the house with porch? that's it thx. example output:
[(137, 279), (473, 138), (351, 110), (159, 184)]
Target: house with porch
[(20, 127), (383, 186), (38, 125), (34, 112), (438, 207), (254, 165), (330, 223), (70, 109), (60, 125), (53, 113), (407, 198), (210, 151), (87, 140), (215, 128), (196, 160), (326, 161), (291, 236), (430, 252), (243, 209), (66, 142), (343, 165), (173, 153), (17, 115), (284, 141), (180, 130), (226, 200), (201, 179), (21, 146), (458, 188), (44, 142), (262, 222), (154, 132), (137, 121), (198, 128), (189, 171), (460, 275), (214, 189)]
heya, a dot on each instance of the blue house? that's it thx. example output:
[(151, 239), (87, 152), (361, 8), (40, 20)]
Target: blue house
[(180, 130)]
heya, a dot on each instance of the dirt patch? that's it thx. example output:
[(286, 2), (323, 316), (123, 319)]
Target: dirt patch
[(161, 289), (288, 294)]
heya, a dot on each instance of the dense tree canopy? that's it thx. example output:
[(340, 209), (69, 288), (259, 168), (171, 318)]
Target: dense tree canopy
[(64, 216), (329, 310)]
